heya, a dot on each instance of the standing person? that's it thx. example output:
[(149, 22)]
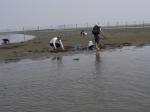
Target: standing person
[(56, 43), (97, 32)]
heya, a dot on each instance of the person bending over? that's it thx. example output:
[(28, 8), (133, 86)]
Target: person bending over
[(56, 43)]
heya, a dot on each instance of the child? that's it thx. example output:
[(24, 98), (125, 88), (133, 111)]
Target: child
[(90, 45)]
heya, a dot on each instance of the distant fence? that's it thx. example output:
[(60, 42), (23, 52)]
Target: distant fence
[(105, 25)]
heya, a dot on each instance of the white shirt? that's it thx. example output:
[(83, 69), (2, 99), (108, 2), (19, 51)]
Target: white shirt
[(55, 40), (90, 43)]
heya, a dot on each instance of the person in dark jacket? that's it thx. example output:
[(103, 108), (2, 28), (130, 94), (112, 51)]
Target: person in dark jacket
[(97, 32)]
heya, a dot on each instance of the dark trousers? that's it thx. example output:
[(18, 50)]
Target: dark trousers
[(57, 45), (97, 38), (91, 47)]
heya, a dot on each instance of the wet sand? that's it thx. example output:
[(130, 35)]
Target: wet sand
[(39, 47)]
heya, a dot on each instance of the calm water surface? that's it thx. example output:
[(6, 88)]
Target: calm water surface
[(110, 81), (15, 38)]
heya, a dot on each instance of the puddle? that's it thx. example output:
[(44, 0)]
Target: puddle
[(109, 81)]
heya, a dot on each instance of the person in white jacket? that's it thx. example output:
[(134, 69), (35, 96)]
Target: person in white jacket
[(56, 42), (90, 45)]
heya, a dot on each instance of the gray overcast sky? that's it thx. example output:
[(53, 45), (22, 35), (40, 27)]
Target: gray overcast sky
[(32, 13)]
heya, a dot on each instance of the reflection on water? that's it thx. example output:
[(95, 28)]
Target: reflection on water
[(57, 58), (97, 57), (109, 81), (97, 63)]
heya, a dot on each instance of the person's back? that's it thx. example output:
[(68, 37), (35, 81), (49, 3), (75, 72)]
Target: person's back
[(56, 43), (96, 30), (53, 40), (90, 45)]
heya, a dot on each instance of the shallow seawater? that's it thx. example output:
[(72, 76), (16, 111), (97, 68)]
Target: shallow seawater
[(15, 38), (115, 80)]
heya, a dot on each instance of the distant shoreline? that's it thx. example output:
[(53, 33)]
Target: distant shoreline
[(39, 47)]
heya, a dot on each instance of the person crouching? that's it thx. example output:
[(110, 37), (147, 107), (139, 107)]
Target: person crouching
[(90, 45), (56, 43)]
